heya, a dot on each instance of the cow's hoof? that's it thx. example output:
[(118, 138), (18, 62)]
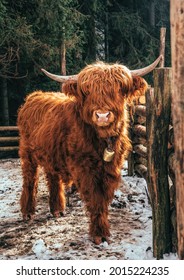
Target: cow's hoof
[(28, 217), (58, 214), (62, 213), (100, 239)]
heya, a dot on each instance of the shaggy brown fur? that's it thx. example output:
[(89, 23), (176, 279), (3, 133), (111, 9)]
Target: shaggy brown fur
[(67, 134)]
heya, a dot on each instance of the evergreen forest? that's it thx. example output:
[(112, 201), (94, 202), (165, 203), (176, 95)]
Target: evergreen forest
[(63, 36)]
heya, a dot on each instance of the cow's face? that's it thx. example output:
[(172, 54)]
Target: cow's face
[(102, 91)]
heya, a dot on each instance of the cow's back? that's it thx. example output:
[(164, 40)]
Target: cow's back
[(34, 113)]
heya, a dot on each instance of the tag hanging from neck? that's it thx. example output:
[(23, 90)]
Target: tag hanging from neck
[(108, 152)]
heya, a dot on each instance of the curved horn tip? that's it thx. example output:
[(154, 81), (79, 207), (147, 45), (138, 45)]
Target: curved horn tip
[(147, 69), (43, 70)]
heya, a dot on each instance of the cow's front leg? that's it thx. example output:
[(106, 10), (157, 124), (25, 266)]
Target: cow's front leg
[(99, 225), (97, 206)]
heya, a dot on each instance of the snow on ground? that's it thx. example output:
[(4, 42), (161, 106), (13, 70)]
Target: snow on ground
[(67, 238)]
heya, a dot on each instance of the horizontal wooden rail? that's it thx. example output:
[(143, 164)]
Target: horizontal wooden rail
[(140, 110), (8, 128), (9, 139), (140, 130), (9, 149), (139, 140), (140, 159), (141, 170), (141, 150)]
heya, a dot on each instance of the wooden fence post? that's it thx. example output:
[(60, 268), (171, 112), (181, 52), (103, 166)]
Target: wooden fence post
[(177, 46), (131, 156), (157, 125)]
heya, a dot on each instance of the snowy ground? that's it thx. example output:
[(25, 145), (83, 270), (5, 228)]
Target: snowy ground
[(66, 238)]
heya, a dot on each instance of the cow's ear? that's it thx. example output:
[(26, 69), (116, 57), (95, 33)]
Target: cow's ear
[(139, 87), (70, 88)]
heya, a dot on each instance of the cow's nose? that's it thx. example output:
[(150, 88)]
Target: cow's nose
[(102, 118), (103, 115)]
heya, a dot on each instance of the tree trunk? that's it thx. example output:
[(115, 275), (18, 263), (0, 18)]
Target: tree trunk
[(152, 13), (92, 42), (177, 44), (162, 46), (106, 33), (62, 59), (5, 108)]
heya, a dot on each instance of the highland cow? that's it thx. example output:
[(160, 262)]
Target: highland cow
[(79, 137)]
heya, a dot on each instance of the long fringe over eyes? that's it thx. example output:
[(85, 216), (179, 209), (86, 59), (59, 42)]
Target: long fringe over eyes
[(105, 78)]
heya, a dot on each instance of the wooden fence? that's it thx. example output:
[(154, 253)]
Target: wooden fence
[(153, 159), (9, 140)]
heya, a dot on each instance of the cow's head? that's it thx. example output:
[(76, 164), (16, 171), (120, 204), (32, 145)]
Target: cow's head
[(102, 91)]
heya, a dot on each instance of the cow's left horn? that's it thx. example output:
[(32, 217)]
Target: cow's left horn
[(146, 70), (59, 78)]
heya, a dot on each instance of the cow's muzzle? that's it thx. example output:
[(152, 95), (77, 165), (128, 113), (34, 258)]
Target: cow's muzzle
[(102, 118)]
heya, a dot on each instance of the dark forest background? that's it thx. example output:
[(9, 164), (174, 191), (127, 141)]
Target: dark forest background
[(63, 36)]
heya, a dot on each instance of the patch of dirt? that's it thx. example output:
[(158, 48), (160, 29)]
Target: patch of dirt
[(67, 237)]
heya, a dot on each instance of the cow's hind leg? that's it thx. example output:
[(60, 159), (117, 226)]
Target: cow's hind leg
[(30, 185), (57, 194)]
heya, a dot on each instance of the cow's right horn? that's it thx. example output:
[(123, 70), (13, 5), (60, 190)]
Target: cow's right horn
[(58, 78)]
